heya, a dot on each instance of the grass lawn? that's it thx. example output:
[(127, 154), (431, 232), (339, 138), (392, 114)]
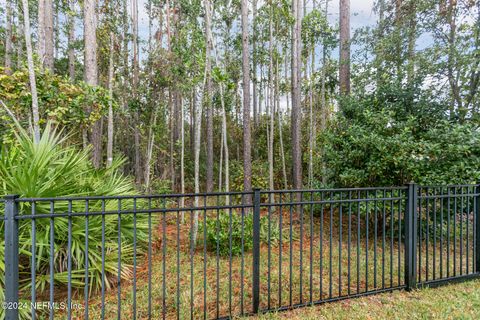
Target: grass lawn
[(458, 301), (328, 278), (324, 257)]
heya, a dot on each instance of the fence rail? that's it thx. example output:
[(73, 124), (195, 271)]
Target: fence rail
[(218, 255)]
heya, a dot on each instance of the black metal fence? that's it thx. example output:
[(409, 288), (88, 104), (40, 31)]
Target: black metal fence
[(220, 255)]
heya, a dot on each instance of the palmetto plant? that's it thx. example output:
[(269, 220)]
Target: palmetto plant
[(51, 168)]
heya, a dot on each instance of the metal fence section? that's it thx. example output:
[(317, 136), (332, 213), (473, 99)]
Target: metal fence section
[(332, 244), (447, 218), (219, 255)]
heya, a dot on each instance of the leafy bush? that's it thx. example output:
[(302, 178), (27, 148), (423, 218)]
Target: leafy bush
[(52, 169), (67, 104), (218, 232), (228, 226), (259, 175), (386, 140)]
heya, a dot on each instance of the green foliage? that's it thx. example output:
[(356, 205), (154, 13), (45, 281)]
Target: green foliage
[(62, 102), (218, 232), (53, 169), (228, 228), (259, 175), (395, 139), (315, 28)]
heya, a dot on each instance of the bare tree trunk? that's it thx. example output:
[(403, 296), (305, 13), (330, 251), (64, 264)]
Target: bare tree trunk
[(344, 73), (41, 30), (170, 105), (71, 40), (198, 132), (220, 166), (271, 103), (247, 149), (20, 34), (380, 51), (91, 72), (31, 73), (254, 67), (451, 60), (398, 32), (311, 136), (49, 42), (208, 96), (324, 115), (224, 134), (296, 96), (150, 143), (110, 106), (182, 157), (192, 121), (138, 169), (8, 38), (412, 37), (280, 130), (172, 138), (125, 54)]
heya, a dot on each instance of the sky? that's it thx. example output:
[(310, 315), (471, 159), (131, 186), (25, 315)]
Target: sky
[(361, 15)]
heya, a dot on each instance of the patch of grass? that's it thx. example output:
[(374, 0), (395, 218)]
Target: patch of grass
[(459, 301), (312, 262)]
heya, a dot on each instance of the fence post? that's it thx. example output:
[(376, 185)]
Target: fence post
[(11, 258), (411, 237), (477, 229), (256, 251)]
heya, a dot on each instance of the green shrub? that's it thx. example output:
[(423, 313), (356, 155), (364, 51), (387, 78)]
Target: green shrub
[(386, 140), (52, 169), (219, 232), (228, 226), (68, 105)]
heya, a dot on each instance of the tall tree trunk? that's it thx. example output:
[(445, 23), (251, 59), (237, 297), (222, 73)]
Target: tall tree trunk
[(149, 153), (224, 132), (138, 169), (398, 40), (247, 151), (208, 96), (456, 99), (344, 73), (271, 102), (280, 130), (125, 54), (56, 30), (324, 115), (296, 96), (193, 117), (198, 132), (110, 106), (311, 135), (49, 42), (91, 72), (8, 38), (411, 41), (182, 157), (31, 73), (171, 106), (41, 30), (412, 37), (379, 50), (171, 124), (71, 39), (20, 34), (254, 67), (225, 145)]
